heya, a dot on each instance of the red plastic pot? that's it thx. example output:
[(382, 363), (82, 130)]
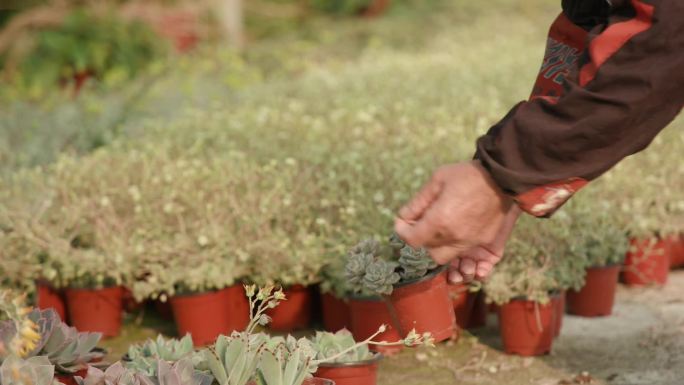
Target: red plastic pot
[(295, 312), (206, 315), (50, 297), (68, 379), (354, 373), (367, 314), (463, 301), (647, 262), (336, 314), (558, 301), (478, 316), (96, 310), (425, 305), (597, 296), (676, 250), (527, 327)]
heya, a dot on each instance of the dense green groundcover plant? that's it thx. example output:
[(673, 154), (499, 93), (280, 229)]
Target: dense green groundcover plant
[(85, 44), (274, 181)]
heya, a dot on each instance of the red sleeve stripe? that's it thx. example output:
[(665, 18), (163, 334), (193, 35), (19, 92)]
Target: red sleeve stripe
[(614, 37)]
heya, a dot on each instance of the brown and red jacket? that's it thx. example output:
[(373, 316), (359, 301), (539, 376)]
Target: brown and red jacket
[(611, 79)]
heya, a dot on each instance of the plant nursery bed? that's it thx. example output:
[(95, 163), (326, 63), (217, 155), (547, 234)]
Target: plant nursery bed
[(641, 343)]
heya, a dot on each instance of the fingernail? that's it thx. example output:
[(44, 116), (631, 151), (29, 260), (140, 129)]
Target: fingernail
[(455, 277)]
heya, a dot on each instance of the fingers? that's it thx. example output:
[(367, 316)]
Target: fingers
[(416, 207), (423, 233), (445, 254)]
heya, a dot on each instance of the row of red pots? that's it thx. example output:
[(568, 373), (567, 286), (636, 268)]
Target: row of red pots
[(94, 310)]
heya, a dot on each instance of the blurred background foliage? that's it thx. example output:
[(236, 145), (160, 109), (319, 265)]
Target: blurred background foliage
[(287, 149)]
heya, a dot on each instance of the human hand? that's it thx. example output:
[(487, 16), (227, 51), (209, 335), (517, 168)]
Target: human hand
[(460, 210)]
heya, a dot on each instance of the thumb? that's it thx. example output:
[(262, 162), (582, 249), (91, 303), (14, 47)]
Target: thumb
[(415, 209)]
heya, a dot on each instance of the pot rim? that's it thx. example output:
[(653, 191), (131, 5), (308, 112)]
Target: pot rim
[(435, 272), (376, 358), (524, 298)]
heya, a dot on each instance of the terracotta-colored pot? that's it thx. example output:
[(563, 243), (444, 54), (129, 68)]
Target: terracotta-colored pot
[(558, 301), (425, 305), (206, 315), (96, 310), (463, 301), (367, 314), (354, 373), (676, 250), (647, 262), (597, 296), (50, 297), (336, 314), (69, 379), (527, 327), (478, 316), (295, 312)]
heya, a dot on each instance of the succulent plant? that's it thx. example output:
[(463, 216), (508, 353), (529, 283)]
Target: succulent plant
[(144, 357), (181, 372), (396, 243), (380, 277), (286, 361), (116, 374), (233, 360), (33, 371), (414, 263), (367, 273), (24, 342), (328, 345), (67, 349), (356, 267)]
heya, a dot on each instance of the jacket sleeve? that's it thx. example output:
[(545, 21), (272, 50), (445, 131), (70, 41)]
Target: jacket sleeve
[(629, 85)]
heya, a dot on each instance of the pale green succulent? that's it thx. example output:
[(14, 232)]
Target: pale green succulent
[(286, 361), (144, 357), (380, 277), (181, 372), (67, 349), (33, 371), (367, 246), (233, 359), (415, 263), (116, 374), (328, 345), (396, 243), (356, 267)]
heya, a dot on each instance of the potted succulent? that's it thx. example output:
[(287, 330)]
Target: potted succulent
[(71, 352), (359, 366), (180, 372), (144, 357), (413, 286), (601, 244), (250, 357)]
